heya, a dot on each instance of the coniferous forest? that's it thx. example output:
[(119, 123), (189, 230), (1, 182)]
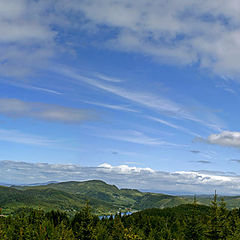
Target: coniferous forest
[(186, 222)]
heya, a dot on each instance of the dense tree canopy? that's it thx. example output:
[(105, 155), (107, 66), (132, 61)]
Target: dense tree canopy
[(185, 222)]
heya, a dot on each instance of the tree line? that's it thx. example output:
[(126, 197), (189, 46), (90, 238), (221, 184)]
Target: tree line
[(185, 222)]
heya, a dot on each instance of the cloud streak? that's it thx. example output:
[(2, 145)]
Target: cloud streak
[(23, 138), (146, 99), (107, 78), (235, 160), (172, 125), (15, 108), (195, 151), (137, 137), (111, 106), (203, 161)]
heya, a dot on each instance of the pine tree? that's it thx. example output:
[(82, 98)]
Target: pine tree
[(213, 230)]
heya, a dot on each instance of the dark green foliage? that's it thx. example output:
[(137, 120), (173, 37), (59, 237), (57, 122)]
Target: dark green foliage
[(83, 224), (184, 222), (34, 225), (193, 224)]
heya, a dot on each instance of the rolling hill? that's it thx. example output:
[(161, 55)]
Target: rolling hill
[(102, 197)]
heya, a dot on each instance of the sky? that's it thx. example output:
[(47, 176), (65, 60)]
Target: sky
[(141, 94)]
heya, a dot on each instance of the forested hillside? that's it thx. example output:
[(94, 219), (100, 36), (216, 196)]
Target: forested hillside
[(102, 197), (184, 222), (71, 197)]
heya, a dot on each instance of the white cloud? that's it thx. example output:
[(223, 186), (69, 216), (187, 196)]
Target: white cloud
[(123, 169), (173, 32), (225, 138), (123, 176), (26, 37), (48, 112)]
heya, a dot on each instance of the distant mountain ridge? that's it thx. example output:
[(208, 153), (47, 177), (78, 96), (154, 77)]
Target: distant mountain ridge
[(104, 198), (30, 184)]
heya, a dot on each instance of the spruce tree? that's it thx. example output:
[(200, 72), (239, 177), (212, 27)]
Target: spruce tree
[(213, 231)]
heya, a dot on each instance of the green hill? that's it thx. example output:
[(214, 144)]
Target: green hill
[(72, 196), (103, 198), (118, 198)]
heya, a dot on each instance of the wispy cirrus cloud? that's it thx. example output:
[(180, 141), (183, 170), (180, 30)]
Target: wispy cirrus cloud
[(143, 98), (149, 100), (15, 136), (169, 124), (124, 176), (107, 78), (16, 108), (112, 106), (41, 89), (31, 86), (23, 138), (137, 137)]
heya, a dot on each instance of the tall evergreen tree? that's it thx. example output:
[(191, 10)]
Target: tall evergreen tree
[(213, 231)]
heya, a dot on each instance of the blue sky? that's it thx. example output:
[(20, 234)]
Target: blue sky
[(144, 86)]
